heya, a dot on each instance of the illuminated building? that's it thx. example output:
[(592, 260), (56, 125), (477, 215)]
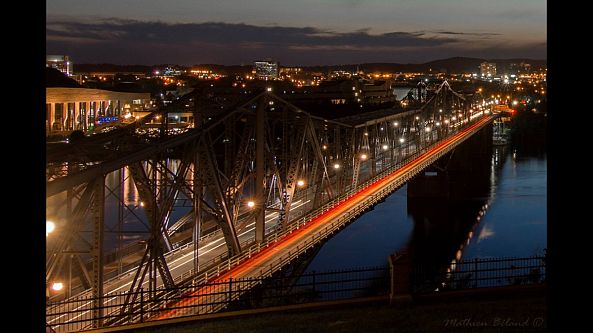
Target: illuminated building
[(266, 69), (69, 109), (488, 69)]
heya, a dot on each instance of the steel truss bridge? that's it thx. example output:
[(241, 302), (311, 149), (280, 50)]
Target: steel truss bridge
[(271, 180)]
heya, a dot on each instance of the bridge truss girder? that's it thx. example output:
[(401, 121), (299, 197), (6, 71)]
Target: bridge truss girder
[(217, 171)]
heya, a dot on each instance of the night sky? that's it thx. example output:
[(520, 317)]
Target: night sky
[(297, 32)]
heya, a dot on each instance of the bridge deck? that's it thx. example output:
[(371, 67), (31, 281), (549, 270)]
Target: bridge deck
[(276, 253)]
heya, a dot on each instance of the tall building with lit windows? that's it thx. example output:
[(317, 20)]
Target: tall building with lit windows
[(266, 69), (59, 62), (488, 69)]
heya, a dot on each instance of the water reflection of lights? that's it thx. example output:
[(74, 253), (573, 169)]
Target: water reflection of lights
[(470, 235)]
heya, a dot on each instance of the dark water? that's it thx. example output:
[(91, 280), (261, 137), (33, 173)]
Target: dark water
[(502, 213)]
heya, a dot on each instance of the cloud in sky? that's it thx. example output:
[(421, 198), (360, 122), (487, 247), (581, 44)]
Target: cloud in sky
[(114, 40)]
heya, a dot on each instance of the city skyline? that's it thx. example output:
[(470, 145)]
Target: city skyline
[(330, 32)]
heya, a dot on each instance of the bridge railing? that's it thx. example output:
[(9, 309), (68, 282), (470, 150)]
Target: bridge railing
[(225, 263)]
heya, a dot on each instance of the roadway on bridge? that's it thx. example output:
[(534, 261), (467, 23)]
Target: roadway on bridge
[(261, 261)]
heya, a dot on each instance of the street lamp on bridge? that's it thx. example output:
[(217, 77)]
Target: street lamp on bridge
[(49, 227), (57, 286)]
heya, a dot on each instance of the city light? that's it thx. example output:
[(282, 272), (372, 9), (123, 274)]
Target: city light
[(515, 102), (324, 147), (385, 147), (336, 166), (57, 286), (49, 227), (141, 203), (269, 89), (301, 183), (401, 140), (395, 123), (417, 118), (250, 204), (363, 157), (427, 129)]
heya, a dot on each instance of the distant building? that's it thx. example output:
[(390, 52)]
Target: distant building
[(521, 68), (488, 69), (266, 69), (59, 62), (291, 70), (348, 91)]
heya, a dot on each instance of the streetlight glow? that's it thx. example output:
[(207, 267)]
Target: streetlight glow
[(336, 166), (301, 183), (250, 204), (385, 147), (363, 157), (49, 227), (401, 140), (57, 286)]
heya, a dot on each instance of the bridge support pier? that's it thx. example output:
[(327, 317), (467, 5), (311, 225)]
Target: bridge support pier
[(448, 177)]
